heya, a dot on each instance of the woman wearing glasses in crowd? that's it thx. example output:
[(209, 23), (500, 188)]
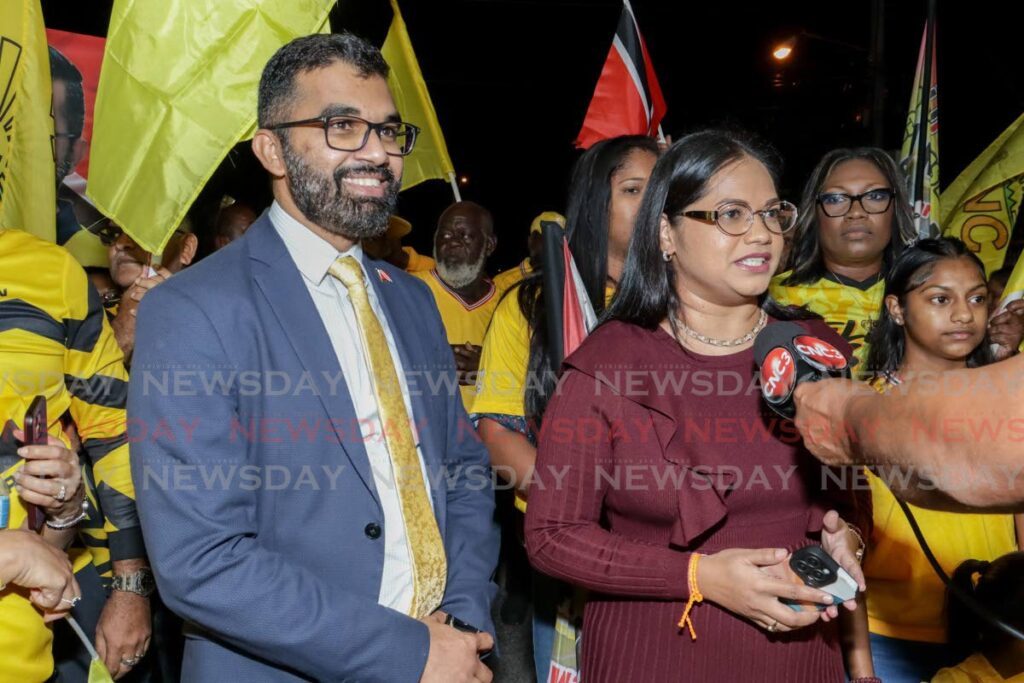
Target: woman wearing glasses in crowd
[(679, 496), (855, 220), (607, 185)]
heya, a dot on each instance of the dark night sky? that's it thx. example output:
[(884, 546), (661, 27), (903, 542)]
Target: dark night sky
[(511, 81)]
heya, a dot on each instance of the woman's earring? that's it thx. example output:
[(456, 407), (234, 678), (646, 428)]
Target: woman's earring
[(665, 256), (899, 321)]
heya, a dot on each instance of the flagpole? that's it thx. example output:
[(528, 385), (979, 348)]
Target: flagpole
[(455, 186), (661, 136), (922, 132)]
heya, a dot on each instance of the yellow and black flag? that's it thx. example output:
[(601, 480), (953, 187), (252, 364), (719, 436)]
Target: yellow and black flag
[(984, 201), (919, 157), (28, 181)]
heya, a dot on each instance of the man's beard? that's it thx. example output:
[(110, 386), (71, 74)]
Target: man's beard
[(325, 202), (459, 275)]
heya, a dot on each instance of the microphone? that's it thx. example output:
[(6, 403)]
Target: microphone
[(788, 355)]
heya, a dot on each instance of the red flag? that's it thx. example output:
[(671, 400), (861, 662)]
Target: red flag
[(627, 99)]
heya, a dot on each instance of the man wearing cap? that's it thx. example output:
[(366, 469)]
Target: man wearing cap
[(506, 279), (465, 296)]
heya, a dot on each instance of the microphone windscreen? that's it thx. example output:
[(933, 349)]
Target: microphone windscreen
[(775, 334)]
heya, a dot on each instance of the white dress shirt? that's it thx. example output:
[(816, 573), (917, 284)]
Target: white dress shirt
[(313, 256)]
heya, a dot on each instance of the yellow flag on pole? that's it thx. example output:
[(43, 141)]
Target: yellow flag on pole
[(28, 180), (919, 157), (430, 157), (982, 204), (177, 90)]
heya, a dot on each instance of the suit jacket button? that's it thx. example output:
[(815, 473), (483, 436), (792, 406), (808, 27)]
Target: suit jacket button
[(372, 531)]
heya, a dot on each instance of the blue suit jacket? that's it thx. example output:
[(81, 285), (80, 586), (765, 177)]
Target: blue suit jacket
[(258, 519)]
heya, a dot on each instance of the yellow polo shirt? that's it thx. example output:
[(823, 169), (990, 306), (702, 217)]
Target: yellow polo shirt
[(848, 307), (905, 598), (463, 322)]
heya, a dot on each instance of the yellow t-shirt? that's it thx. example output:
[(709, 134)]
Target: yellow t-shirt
[(508, 278), (417, 261), (848, 308), (462, 322), (974, 669), (501, 380), (905, 598)]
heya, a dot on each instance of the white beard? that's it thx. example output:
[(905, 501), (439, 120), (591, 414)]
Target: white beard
[(462, 274)]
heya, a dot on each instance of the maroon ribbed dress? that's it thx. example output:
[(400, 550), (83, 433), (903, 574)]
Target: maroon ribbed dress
[(649, 452)]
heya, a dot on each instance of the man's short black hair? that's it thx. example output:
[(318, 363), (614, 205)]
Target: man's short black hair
[(61, 69), (277, 84)]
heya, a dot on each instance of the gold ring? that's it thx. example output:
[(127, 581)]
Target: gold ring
[(774, 626)]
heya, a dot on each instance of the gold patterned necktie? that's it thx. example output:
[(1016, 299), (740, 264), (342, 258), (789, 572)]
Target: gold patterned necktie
[(429, 565)]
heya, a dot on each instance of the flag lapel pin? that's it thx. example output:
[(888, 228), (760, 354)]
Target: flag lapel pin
[(383, 276)]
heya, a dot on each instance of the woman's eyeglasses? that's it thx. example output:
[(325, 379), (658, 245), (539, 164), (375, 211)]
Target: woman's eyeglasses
[(736, 219), (836, 204)]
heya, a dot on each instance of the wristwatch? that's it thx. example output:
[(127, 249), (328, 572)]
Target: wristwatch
[(140, 582)]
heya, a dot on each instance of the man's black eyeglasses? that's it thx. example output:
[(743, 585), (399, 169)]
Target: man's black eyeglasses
[(351, 133)]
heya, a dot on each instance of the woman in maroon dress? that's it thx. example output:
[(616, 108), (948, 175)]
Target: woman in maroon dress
[(662, 478)]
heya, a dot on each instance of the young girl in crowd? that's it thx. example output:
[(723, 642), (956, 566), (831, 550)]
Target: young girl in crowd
[(933, 319), (607, 184), (997, 657), (854, 221), (684, 558)]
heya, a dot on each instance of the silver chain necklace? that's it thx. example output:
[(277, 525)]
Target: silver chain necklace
[(711, 341)]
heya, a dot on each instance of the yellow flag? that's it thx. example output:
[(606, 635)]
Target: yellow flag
[(429, 158), (28, 180), (177, 90), (982, 204)]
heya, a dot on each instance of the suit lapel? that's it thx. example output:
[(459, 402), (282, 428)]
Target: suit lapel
[(279, 280)]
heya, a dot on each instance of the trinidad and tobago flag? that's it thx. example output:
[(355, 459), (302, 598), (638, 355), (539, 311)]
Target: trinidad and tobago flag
[(627, 99)]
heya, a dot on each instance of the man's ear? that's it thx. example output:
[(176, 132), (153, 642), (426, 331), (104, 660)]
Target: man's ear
[(267, 148), (189, 246), (492, 244)]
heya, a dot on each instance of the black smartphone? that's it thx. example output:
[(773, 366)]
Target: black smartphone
[(35, 435), (817, 569), (460, 625)]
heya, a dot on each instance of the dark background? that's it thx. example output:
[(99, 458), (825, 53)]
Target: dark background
[(511, 81)]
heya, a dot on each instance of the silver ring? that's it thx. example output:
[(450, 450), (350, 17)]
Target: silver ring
[(62, 495), (72, 601), (129, 661), (774, 626)]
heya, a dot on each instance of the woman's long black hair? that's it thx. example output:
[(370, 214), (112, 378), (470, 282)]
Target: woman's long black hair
[(586, 226), (806, 257), (999, 588), (887, 340), (647, 293)]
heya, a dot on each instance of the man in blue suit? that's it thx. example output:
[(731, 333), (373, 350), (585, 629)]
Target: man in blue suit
[(281, 521)]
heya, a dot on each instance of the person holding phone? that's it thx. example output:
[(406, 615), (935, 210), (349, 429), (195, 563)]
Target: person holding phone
[(55, 342)]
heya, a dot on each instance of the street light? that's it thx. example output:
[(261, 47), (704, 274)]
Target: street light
[(784, 49)]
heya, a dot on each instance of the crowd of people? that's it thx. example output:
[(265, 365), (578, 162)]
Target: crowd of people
[(280, 450)]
